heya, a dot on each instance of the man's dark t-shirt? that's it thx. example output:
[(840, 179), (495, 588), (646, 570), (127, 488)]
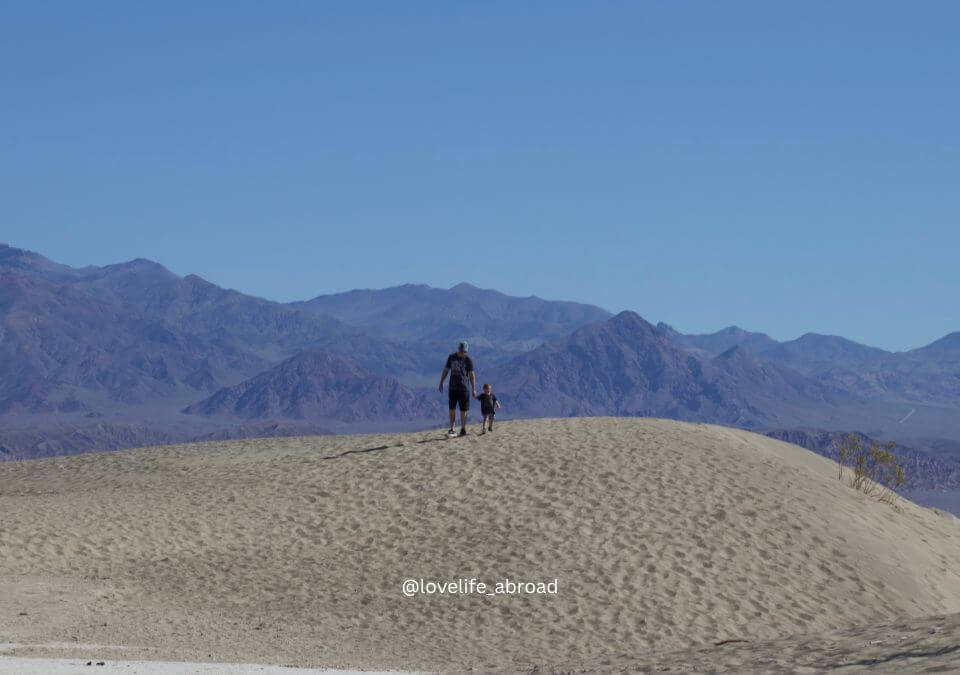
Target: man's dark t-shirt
[(459, 367), (488, 404)]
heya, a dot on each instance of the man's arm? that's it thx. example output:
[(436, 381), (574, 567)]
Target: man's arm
[(473, 383), (443, 377)]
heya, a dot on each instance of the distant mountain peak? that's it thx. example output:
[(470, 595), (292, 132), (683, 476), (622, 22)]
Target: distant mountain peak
[(814, 338), (628, 315), (810, 335), (714, 344), (835, 342), (632, 321), (148, 264), (11, 256), (136, 266), (7, 249)]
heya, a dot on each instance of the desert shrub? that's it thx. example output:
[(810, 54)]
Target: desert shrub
[(875, 470)]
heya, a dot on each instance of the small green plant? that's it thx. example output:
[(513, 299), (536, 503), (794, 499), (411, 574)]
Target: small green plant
[(851, 445), (877, 471)]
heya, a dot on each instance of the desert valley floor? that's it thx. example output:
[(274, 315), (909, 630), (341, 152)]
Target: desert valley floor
[(675, 547)]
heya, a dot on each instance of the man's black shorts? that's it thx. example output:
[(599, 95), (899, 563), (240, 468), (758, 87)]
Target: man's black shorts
[(459, 397)]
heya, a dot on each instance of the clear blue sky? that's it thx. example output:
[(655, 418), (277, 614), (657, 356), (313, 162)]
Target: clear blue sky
[(787, 167)]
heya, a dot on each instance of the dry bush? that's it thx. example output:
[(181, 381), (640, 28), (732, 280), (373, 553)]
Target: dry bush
[(876, 470)]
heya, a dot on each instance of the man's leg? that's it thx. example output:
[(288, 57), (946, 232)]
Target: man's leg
[(464, 403), (451, 399)]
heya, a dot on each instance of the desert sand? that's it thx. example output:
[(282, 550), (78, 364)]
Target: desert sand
[(47, 666), (673, 546)]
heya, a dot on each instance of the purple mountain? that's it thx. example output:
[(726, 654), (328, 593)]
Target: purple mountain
[(713, 344), (626, 366), (106, 357), (495, 324), (319, 386)]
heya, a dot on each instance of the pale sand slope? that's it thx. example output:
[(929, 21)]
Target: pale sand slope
[(665, 537), (37, 666)]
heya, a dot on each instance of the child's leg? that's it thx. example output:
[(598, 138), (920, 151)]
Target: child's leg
[(490, 419)]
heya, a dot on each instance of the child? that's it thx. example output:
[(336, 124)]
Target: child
[(488, 406)]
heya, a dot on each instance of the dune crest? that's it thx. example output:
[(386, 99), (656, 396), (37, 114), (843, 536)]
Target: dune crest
[(661, 535)]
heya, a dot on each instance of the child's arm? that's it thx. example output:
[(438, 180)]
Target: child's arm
[(496, 404)]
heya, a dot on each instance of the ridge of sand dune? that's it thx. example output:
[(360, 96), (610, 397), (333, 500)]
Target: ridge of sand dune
[(661, 535)]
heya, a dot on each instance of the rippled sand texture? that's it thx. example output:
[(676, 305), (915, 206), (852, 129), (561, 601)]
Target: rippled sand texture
[(663, 536)]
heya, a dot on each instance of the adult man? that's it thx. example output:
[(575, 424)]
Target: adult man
[(460, 368)]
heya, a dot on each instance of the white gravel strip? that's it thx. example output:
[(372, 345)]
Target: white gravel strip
[(42, 666)]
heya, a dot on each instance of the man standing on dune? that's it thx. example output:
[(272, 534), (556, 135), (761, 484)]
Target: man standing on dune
[(460, 368)]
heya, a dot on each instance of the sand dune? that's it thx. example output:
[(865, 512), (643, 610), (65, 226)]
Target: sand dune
[(664, 539)]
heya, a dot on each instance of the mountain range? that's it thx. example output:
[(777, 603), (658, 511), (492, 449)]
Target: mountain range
[(319, 385), (625, 366), (106, 357)]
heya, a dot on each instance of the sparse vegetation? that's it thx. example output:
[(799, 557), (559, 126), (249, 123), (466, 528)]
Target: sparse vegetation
[(876, 470)]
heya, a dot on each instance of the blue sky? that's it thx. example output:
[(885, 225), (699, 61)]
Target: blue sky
[(787, 167)]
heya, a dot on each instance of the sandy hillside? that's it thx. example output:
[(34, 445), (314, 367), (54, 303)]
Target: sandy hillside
[(665, 539)]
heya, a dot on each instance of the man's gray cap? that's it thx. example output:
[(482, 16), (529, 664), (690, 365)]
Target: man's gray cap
[(463, 346)]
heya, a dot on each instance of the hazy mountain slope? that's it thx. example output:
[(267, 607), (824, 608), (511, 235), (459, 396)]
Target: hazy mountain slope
[(748, 373), (27, 262), (812, 353), (382, 357), (63, 350), (191, 305), (947, 345), (926, 375), (494, 322), (317, 385), (269, 329), (714, 344), (625, 366), (929, 374), (621, 366), (102, 338)]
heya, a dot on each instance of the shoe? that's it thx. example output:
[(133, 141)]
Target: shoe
[(483, 431), (463, 432), (490, 430), (452, 434)]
